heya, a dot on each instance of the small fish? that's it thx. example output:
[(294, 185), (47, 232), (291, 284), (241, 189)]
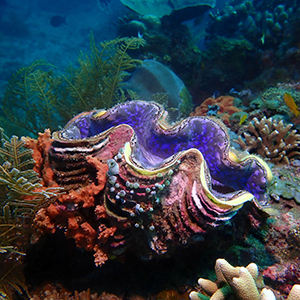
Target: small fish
[(264, 28), (290, 102), (140, 35), (262, 39), (243, 119), (56, 21)]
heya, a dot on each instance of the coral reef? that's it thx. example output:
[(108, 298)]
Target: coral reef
[(285, 182), (271, 139), (283, 276), (282, 242), (222, 106), (263, 25), (259, 32), (272, 100), (134, 182), (243, 282)]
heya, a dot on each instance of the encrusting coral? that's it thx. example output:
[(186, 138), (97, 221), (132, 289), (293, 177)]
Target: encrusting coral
[(271, 139), (222, 107), (243, 283)]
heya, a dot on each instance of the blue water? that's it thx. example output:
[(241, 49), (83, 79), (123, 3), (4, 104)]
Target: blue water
[(27, 35)]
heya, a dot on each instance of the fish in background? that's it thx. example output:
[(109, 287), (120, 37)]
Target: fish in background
[(290, 102), (57, 21)]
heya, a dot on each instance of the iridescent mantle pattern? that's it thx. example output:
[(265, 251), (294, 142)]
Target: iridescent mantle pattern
[(170, 182)]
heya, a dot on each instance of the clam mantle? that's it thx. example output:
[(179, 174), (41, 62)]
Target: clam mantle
[(133, 181)]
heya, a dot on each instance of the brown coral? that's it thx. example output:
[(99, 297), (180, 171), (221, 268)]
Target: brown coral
[(40, 149), (271, 139)]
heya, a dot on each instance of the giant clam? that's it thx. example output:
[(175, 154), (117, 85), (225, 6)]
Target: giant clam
[(133, 180)]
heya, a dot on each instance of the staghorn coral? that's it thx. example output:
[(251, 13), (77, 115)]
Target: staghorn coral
[(237, 282), (271, 139), (134, 182)]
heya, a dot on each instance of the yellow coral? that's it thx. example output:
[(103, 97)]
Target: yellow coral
[(243, 283)]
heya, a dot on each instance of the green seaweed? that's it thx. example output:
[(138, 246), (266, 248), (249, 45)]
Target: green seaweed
[(38, 97), (30, 97), (98, 80)]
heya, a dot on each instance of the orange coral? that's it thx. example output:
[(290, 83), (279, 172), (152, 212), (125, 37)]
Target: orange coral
[(100, 211), (101, 170), (100, 256), (47, 219), (62, 211), (40, 149), (226, 108), (83, 234), (105, 233)]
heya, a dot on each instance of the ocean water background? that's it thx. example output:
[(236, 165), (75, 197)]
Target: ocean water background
[(27, 35)]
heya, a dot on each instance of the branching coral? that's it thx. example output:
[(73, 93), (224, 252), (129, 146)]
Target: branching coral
[(240, 282), (271, 139)]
